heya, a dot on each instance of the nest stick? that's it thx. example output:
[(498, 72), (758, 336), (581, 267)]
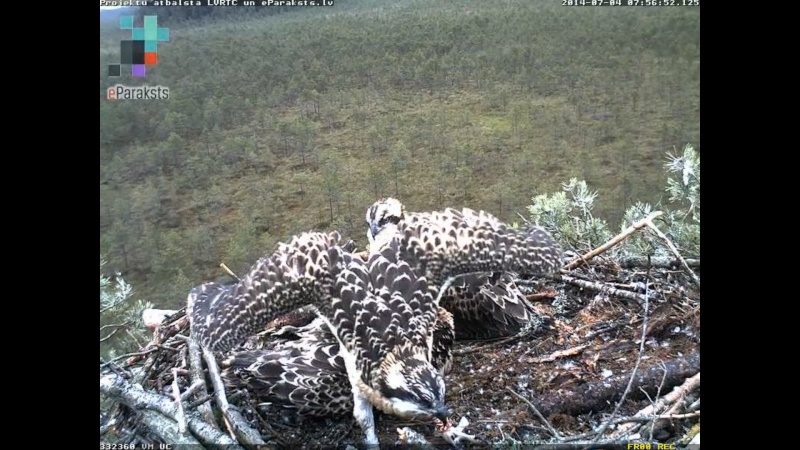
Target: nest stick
[(604, 288), (572, 351), (196, 371), (180, 415), (550, 428), (165, 428), (658, 262), (640, 353), (661, 417), (612, 242), (229, 271), (236, 424), (117, 388), (672, 247), (191, 390), (679, 392)]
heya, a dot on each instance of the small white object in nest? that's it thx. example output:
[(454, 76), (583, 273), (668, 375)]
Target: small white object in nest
[(455, 434), (406, 435), (452, 434)]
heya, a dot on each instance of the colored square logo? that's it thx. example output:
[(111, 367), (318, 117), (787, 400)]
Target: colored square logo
[(125, 22), (141, 49)]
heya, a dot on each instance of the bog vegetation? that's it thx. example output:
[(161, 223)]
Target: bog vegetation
[(288, 120)]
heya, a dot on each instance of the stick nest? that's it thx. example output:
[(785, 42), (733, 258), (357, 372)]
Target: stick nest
[(572, 383)]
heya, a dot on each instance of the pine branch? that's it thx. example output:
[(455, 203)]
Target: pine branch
[(611, 243)]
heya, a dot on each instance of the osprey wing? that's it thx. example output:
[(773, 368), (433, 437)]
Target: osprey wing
[(448, 243), (395, 308), (300, 272)]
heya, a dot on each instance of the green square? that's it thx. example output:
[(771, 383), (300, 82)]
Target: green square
[(150, 28), (125, 22), (137, 34), (163, 34)]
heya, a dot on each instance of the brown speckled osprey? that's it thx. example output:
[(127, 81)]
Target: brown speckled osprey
[(484, 305), (299, 367), (382, 312)]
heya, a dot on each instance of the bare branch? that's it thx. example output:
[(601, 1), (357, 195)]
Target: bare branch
[(235, 422), (636, 364), (672, 247), (115, 387), (196, 371), (603, 288), (611, 243), (550, 428), (167, 429), (629, 262), (679, 392), (180, 416), (110, 335), (123, 324), (229, 271)]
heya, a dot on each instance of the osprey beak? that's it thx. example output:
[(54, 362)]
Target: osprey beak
[(373, 228), (441, 412)]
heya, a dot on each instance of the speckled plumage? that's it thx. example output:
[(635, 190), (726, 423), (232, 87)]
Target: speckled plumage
[(381, 313), (298, 367), (486, 304)]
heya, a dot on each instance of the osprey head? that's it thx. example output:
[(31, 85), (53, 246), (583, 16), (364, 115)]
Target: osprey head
[(412, 386), (384, 214)]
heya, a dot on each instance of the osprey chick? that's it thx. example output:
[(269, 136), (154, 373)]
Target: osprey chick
[(299, 368), (484, 305), (380, 313)]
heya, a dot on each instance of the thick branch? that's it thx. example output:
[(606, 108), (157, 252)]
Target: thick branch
[(117, 388), (659, 262), (662, 403), (196, 372), (167, 429), (244, 433), (602, 287), (595, 395)]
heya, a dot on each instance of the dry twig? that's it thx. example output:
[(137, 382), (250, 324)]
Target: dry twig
[(654, 228), (612, 242), (630, 262), (180, 415), (559, 354), (636, 364), (117, 388), (679, 392), (604, 288), (229, 272), (196, 370), (236, 424), (541, 295), (550, 428)]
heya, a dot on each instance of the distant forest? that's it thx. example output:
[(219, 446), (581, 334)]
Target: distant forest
[(282, 120)]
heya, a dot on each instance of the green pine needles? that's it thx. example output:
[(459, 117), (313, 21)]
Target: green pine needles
[(121, 326), (568, 214)]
